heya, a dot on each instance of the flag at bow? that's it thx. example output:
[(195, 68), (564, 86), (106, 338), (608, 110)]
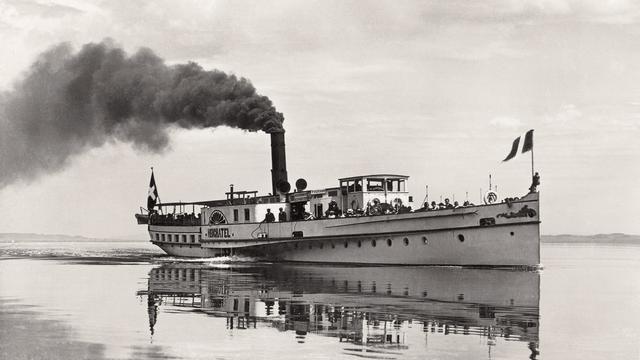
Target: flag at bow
[(153, 193), (527, 145)]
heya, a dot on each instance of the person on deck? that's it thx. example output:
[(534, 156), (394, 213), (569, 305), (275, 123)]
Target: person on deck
[(282, 216), (269, 217), (447, 204), (535, 181)]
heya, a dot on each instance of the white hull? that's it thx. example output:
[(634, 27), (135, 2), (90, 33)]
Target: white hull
[(459, 236)]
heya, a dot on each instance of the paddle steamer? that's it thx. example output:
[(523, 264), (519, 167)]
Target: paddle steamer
[(364, 219)]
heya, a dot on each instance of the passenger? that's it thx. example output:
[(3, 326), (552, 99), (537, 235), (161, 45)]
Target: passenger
[(447, 204), (434, 206), (441, 206), (466, 203), (455, 204), (282, 216), (269, 217)]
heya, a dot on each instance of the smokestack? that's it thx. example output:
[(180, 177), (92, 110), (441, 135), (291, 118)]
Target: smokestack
[(279, 180)]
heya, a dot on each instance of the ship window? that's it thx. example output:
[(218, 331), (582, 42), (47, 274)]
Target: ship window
[(390, 185), (157, 237), (333, 193), (359, 243), (402, 186), (406, 241), (461, 237), (346, 244), (389, 242), (333, 246), (512, 233), (193, 238), (235, 215), (373, 243), (374, 185), (321, 245), (184, 238), (353, 185), (247, 215), (424, 240), (199, 238), (162, 237)]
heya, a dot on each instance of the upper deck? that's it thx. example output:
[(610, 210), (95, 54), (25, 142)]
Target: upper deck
[(354, 194)]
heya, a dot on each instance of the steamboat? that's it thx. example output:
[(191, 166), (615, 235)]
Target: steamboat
[(365, 219)]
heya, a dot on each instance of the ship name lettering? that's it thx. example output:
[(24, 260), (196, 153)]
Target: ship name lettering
[(219, 233)]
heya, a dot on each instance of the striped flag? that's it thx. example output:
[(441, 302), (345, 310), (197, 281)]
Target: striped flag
[(527, 145), (153, 194)]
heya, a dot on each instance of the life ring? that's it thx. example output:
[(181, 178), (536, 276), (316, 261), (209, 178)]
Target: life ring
[(490, 197)]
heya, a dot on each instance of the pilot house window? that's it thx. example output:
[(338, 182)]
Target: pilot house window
[(374, 185)]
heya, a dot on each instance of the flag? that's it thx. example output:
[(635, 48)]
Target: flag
[(528, 141), (514, 149), (153, 193), (523, 146)]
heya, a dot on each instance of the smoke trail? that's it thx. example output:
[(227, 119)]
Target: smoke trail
[(70, 102)]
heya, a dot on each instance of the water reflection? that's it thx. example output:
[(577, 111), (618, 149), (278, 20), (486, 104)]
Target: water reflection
[(368, 310)]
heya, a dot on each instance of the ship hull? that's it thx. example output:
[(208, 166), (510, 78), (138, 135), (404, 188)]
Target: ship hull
[(504, 234)]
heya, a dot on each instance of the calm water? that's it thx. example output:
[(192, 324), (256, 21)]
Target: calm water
[(128, 301)]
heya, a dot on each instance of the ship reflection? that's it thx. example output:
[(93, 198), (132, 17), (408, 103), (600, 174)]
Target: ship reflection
[(368, 309)]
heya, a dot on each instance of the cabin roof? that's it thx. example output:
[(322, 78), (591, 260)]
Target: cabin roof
[(375, 176)]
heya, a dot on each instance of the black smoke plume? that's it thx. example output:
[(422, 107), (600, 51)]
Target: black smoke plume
[(69, 102)]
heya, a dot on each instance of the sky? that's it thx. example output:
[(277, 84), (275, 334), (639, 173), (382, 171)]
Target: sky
[(436, 90)]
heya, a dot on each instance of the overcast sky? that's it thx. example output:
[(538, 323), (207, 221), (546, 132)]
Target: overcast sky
[(436, 90)]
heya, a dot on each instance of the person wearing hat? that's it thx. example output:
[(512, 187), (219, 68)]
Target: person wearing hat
[(269, 216)]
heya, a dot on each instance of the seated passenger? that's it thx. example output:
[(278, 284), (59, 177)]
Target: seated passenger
[(441, 206), (447, 204), (269, 217), (455, 204), (434, 206)]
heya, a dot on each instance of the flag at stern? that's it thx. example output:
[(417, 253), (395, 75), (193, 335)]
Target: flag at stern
[(153, 193)]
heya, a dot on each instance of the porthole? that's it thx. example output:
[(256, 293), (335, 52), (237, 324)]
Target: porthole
[(406, 241), (512, 233), (359, 243), (373, 243), (389, 242), (424, 240), (461, 237), (346, 244)]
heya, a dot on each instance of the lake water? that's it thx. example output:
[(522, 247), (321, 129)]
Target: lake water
[(128, 301)]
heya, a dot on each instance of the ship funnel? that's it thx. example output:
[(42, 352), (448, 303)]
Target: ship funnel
[(279, 182)]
